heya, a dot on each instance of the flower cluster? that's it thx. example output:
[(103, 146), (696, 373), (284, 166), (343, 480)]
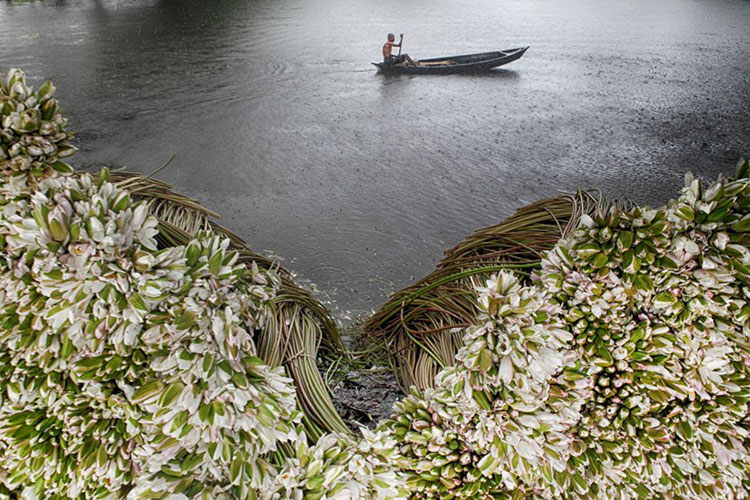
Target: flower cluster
[(339, 467), (125, 364), (623, 371), (500, 419), (33, 137), (124, 368), (657, 302)]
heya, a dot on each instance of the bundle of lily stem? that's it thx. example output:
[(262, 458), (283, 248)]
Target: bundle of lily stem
[(422, 324), (297, 326)]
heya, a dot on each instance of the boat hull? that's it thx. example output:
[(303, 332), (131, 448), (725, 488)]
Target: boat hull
[(472, 63)]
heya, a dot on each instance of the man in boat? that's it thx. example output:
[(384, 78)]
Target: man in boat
[(388, 56)]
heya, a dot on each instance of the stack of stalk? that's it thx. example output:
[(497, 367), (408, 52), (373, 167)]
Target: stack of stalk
[(297, 326), (421, 324)]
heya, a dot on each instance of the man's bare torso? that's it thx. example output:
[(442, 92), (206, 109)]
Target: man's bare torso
[(387, 49)]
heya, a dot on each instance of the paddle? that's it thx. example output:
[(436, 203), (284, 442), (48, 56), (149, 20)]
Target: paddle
[(400, 43)]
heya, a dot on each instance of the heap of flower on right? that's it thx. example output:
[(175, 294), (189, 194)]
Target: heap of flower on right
[(657, 304), (622, 372)]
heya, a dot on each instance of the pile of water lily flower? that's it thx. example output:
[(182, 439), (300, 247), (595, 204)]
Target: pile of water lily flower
[(128, 369), (622, 372)]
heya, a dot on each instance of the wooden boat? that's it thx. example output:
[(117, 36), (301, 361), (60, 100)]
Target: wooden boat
[(472, 63)]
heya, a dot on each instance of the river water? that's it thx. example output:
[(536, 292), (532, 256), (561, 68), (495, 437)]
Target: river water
[(279, 122)]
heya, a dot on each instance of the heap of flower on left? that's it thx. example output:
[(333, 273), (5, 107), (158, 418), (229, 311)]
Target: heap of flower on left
[(122, 366), (127, 370)]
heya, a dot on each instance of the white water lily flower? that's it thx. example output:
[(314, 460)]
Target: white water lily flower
[(91, 322), (648, 376)]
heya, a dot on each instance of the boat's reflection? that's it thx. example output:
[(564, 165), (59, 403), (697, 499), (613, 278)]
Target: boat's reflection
[(499, 73)]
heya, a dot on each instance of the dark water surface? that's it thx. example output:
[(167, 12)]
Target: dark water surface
[(360, 181)]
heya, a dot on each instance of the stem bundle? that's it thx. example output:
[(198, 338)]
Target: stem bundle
[(420, 324), (296, 326)]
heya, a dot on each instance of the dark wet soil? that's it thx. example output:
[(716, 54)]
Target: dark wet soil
[(365, 397)]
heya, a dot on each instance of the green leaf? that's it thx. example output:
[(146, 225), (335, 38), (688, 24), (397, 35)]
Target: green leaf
[(185, 321), (235, 470), (643, 283), (214, 262), (482, 400), (599, 260), (57, 230), (45, 90), (191, 462), (485, 360), (685, 212), (625, 240), (664, 300), (169, 395), (587, 250), (147, 391), (75, 231), (113, 364), (685, 430), (103, 177), (137, 301), (604, 357), (488, 464), (631, 264), (743, 225), (101, 455), (62, 167), (122, 202), (743, 169), (670, 261)]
